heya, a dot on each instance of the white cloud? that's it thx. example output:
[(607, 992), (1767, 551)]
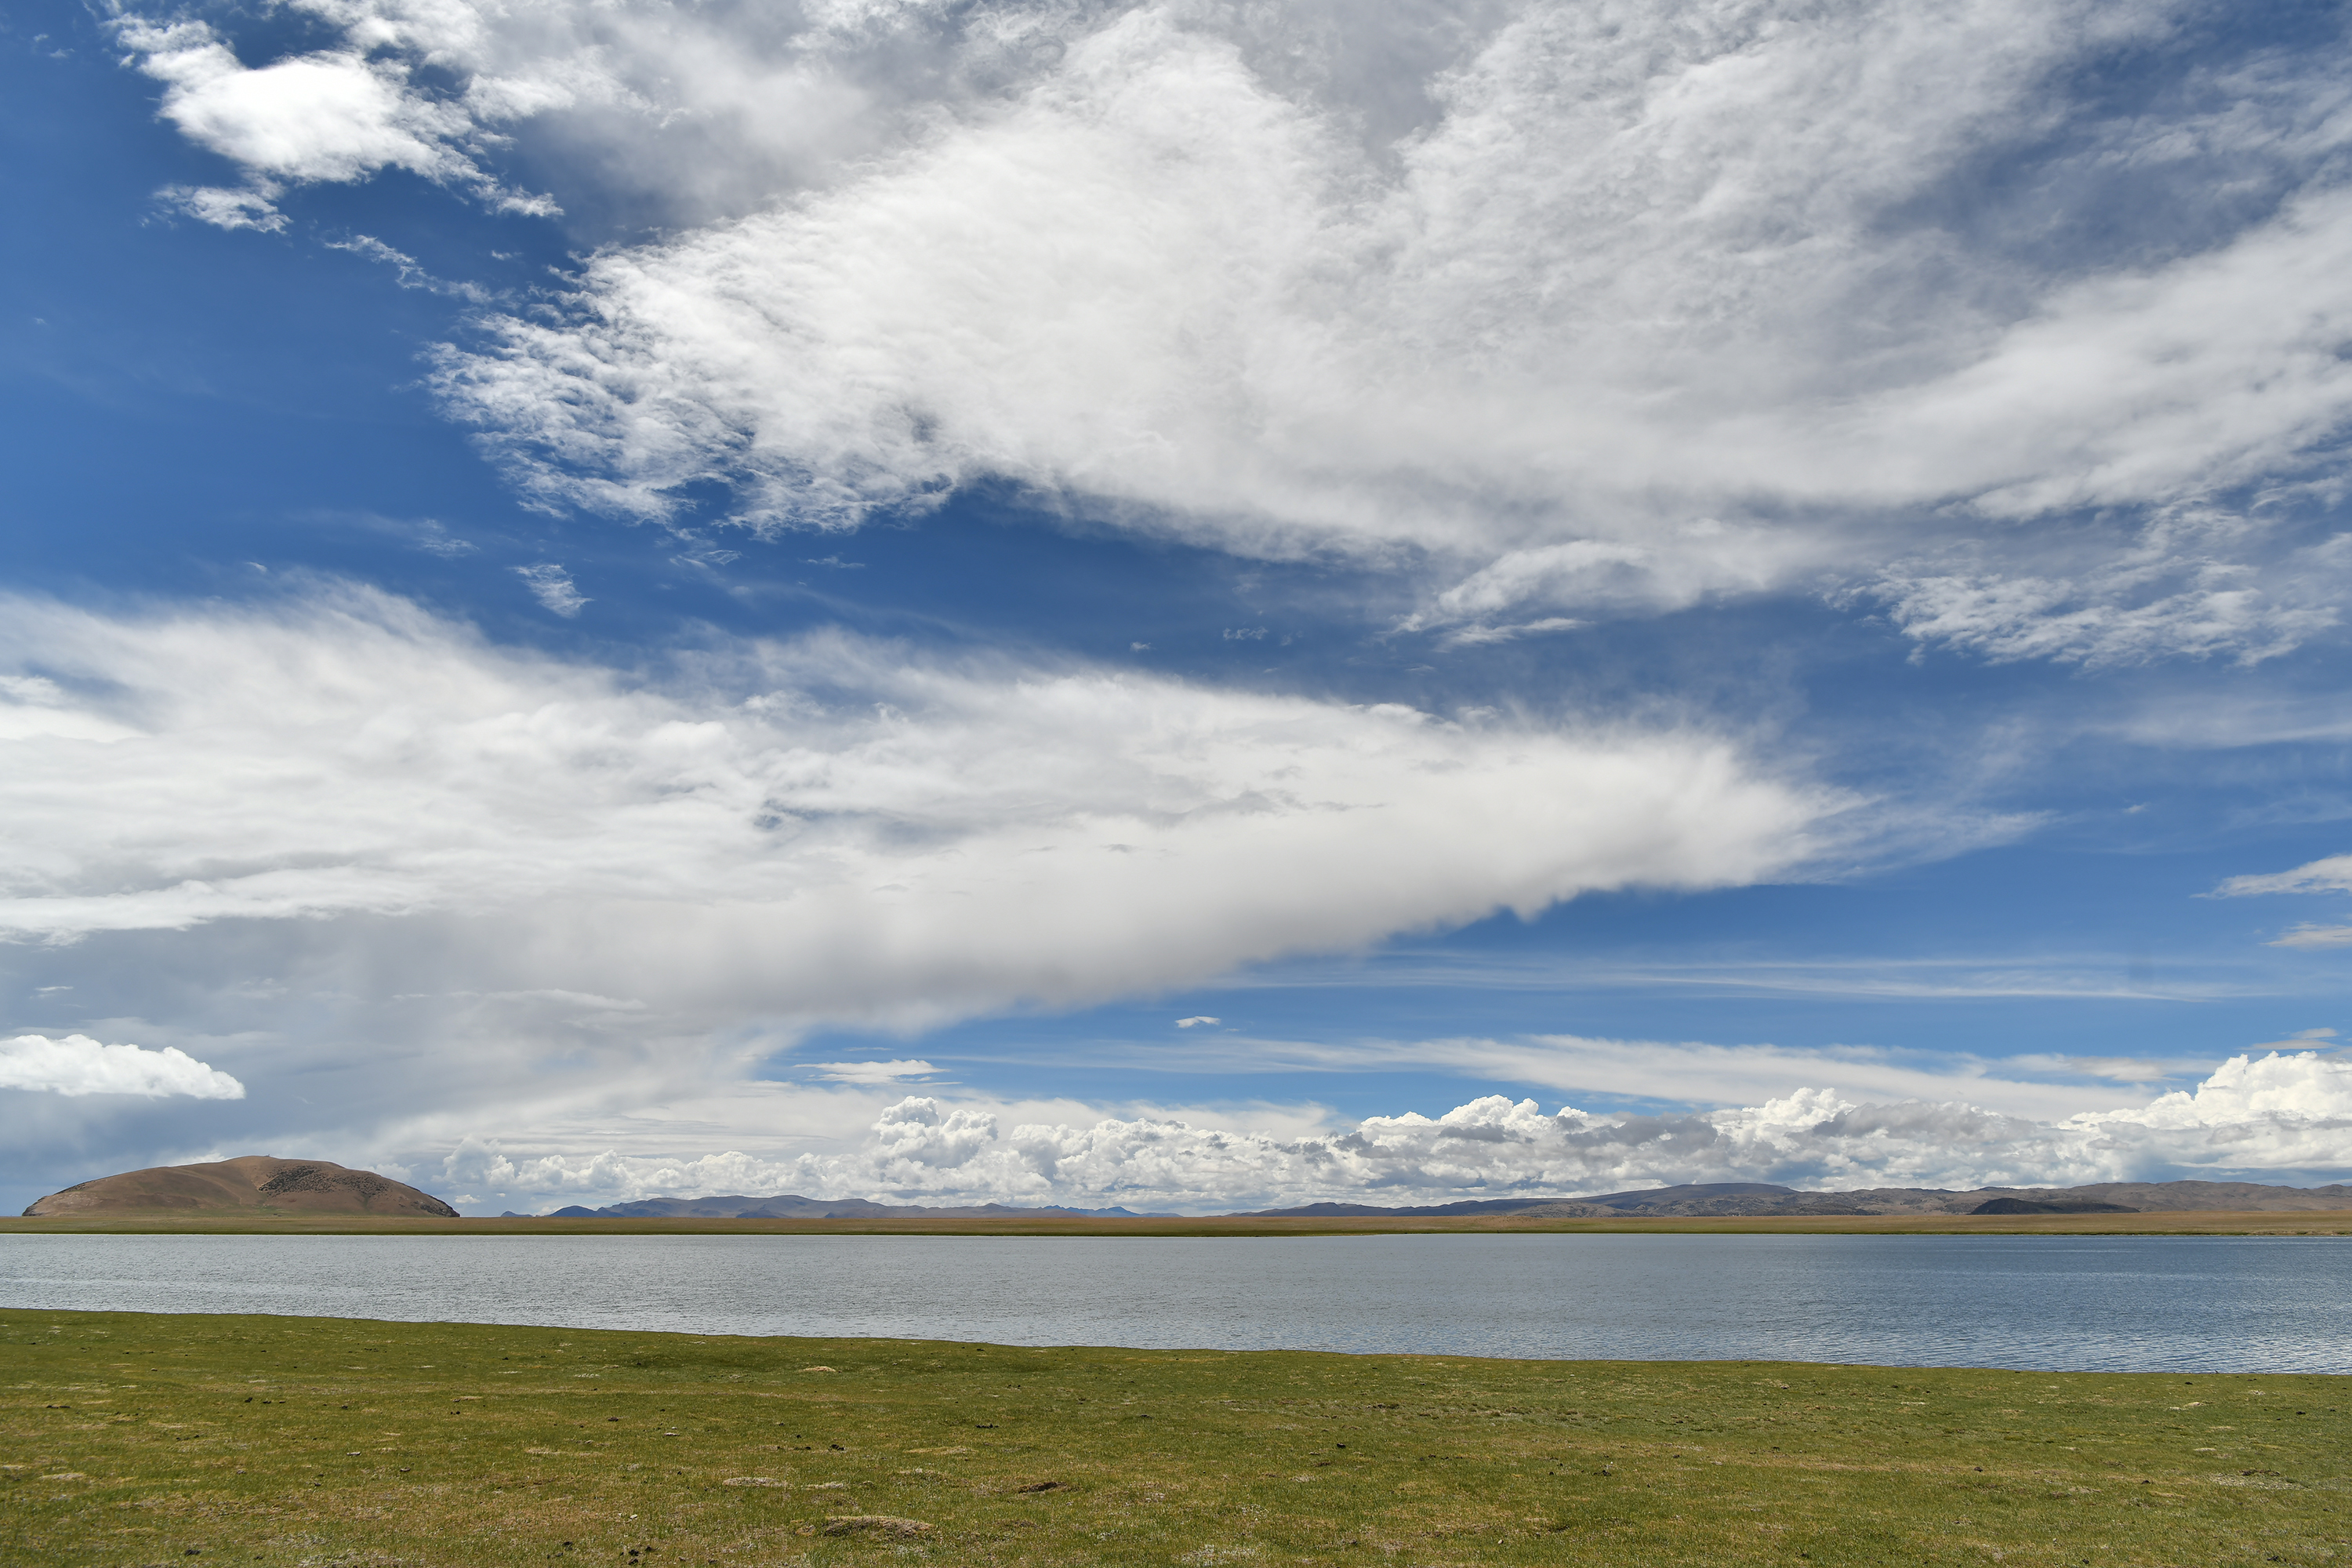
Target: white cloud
[(2311, 1086), (2253, 1116), (1609, 308), (872, 1072), (2331, 874), (680, 106), (2309, 935), (410, 273), (1669, 1071), (1197, 1021), (2186, 584), (2114, 1069), (433, 538), (253, 206), (78, 1064), (828, 828), (1479, 635), (2044, 973), (326, 116), (34, 706), (332, 115), (552, 586)]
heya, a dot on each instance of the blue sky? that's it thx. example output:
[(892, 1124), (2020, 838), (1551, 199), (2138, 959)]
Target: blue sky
[(612, 600)]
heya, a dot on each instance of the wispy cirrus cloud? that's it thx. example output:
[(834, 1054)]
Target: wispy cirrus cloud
[(2330, 874), (1704, 1074), (410, 273), (2310, 936), (831, 827), (551, 585), (896, 1070)]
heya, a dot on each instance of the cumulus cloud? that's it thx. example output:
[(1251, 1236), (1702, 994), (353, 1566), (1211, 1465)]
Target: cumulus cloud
[(253, 206), (78, 1064), (326, 116), (1572, 308), (824, 828), (2253, 1116), (332, 115)]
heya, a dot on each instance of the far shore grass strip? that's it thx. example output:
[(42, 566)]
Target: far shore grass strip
[(2192, 1222), (134, 1439)]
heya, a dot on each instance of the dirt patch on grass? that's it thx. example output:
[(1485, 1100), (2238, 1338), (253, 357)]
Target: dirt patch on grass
[(872, 1524)]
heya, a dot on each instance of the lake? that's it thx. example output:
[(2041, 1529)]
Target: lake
[(2089, 1304)]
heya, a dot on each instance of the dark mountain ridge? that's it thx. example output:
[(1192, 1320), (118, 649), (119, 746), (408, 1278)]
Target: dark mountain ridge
[(1756, 1199), (266, 1186), (792, 1206), (1689, 1200)]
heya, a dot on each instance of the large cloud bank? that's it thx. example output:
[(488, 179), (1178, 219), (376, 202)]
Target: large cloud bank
[(1612, 307), (78, 1064), (827, 828), (2280, 1112)]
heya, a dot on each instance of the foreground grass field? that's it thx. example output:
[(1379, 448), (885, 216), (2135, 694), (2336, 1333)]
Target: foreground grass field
[(131, 1439)]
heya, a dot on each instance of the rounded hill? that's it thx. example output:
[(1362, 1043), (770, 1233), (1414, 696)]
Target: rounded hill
[(258, 1185)]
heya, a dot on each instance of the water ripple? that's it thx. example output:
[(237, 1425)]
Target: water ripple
[(2202, 1304)]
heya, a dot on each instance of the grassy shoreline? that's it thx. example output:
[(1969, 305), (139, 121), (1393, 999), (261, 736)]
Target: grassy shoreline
[(301, 1443), (2193, 1222)]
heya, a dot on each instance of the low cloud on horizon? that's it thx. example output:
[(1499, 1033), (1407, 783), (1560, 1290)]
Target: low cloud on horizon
[(2277, 1117)]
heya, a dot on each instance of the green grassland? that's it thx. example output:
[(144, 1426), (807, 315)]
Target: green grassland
[(132, 1440)]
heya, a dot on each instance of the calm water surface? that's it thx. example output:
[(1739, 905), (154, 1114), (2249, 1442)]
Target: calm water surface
[(2115, 1303)]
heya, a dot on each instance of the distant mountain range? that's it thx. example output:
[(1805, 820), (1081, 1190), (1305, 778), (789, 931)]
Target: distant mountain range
[(1760, 1198), (792, 1206), (266, 1186), (1692, 1200)]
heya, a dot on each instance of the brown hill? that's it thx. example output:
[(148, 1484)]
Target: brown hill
[(260, 1184)]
